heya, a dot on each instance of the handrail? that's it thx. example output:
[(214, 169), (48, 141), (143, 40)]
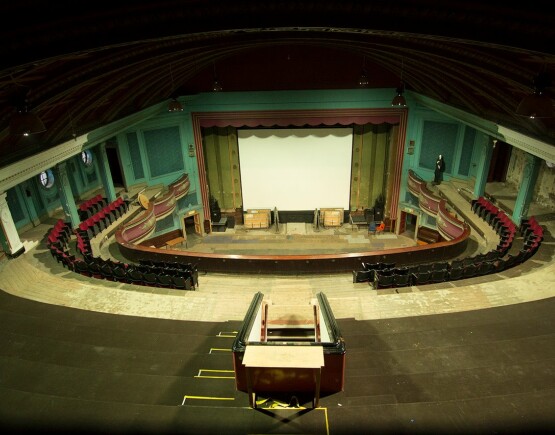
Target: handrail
[(241, 338)]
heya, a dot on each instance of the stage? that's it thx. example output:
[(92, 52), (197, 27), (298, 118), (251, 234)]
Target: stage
[(294, 239)]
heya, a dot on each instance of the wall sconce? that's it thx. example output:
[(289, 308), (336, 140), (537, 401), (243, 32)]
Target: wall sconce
[(191, 150)]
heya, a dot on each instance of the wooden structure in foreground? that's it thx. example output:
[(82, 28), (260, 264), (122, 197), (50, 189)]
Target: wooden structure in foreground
[(292, 349)]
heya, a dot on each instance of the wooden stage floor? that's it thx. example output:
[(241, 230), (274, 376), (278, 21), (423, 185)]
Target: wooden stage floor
[(298, 238)]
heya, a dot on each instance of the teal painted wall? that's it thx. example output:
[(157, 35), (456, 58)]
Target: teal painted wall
[(146, 161), (30, 202)]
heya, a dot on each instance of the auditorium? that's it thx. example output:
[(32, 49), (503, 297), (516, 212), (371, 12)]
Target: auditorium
[(240, 217)]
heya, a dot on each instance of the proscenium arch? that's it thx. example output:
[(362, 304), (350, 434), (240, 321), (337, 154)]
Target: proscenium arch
[(284, 118)]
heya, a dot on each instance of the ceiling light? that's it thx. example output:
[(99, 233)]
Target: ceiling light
[(26, 123), (399, 99), (216, 85), (537, 104), (363, 80), (175, 106)]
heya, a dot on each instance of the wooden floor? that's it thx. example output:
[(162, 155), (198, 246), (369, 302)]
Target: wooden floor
[(78, 354)]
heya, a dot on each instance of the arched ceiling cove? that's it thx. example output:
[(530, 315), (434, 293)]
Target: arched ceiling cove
[(85, 65)]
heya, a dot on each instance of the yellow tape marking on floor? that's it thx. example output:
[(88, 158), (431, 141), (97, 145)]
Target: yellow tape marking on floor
[(205, 398), (201, 371), (326, 418), (217, 349)]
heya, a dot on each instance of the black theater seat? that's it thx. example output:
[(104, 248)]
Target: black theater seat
[(134, 276), (421, 278), (469, 271), (382, 280), (107, 271), (119, 274), (150, 279), (363, 275), (164, 280), (180, 283), (401, 280), (438, 275), (455, 273)]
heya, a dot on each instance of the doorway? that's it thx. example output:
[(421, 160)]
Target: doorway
[(192, 228), (115, 166), (407, 224), (499, 163)]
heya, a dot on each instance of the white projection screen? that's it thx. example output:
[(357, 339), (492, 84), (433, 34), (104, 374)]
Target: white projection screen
[(295, 168)]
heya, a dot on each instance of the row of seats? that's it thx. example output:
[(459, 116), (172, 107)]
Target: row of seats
[(91, 206), (153, 274), (387, 275), (171, 268), (530, 230), (60, 233), (57, 242), (96, 267), (498, 220), (531, 225), (103, 218), (83, 244)]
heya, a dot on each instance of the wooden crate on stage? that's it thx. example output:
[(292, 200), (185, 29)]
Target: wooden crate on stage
[(257, 218), (331, 217)]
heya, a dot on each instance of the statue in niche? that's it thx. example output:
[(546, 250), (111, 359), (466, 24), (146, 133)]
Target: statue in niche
[(438, 171)]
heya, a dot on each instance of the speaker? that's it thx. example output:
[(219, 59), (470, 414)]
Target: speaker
[(216, 215), (231, 221)]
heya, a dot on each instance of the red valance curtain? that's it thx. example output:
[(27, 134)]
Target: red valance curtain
[(298, 119)]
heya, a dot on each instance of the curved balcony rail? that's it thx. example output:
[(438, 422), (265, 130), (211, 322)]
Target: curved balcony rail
[(138, 228), (181, 186), (428, 202), (448, 225), (415, 183), (164, 204)]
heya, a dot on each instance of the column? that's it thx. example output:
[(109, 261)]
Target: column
[(66, 195), (14, 247), (105, 174), (526, 187), (483, 169)]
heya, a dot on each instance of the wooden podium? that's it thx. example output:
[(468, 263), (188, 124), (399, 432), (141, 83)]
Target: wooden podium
[(301, 353), (284, 364)]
